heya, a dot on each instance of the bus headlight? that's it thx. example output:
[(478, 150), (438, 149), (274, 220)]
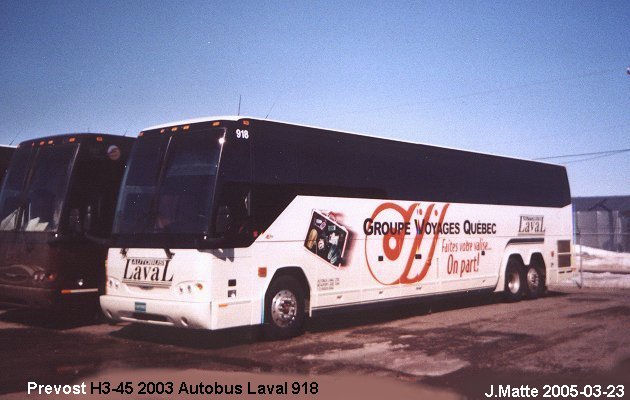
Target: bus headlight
[(112, 284), (189, 288), (42, 276)]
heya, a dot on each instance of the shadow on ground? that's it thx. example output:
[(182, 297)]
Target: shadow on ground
[(50, 319), (392, 311)]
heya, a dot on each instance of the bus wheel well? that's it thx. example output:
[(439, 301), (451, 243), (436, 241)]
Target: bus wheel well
[(298, 274), (538, 261), (515, 258), (286, 304)]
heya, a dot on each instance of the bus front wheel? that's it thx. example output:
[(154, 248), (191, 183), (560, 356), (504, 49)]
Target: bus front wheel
[(514, 281), (284, 309)]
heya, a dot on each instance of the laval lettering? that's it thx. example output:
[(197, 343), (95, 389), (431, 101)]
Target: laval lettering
[(147, 270)]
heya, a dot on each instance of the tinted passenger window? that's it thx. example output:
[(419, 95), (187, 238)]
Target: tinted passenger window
[(275, 157)]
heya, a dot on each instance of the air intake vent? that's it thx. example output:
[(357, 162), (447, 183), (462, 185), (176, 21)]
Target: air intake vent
[(564, 253)]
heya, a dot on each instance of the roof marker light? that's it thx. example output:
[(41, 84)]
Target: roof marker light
[(140, 134), (162, 130), (99, 138), (50, 142), (245, 122), (42, 143), (72, 140), (186, 127), (174, 129), (216, 123)]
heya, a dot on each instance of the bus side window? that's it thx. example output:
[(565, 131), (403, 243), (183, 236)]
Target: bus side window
[(232, 217), (94, 194)]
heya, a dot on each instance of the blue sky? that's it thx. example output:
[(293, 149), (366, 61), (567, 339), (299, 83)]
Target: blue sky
[(525, 79)]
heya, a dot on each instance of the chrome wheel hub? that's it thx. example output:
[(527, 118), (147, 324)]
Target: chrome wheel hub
[(514, 282), (284, 308), (533, 279)]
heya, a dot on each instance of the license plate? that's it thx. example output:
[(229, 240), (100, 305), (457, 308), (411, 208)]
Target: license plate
[(140, 306)]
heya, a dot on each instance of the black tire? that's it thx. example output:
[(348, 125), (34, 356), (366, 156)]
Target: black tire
[(285, 310), (514, 281), (535, 282)]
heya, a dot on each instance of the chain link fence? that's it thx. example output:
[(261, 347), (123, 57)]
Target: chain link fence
[(603, 229)]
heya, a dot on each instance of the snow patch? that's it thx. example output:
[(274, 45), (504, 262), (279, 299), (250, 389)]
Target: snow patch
[(599, 280), (592, 259)]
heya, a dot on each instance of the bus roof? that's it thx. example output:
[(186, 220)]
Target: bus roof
[(200, 119), (77, 136), (240, 117)]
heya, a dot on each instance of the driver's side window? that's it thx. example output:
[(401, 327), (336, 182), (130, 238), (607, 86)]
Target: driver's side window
[(232, 215)]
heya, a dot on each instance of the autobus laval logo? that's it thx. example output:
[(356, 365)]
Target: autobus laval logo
[(391, 259)]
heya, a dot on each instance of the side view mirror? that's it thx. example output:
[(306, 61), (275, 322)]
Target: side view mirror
[(248, 203), (74, 221), (223, 220), (87, 221)]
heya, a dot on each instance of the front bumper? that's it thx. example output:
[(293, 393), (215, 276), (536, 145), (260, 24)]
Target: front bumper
[(158, 312), (46, 298), (29, 296)]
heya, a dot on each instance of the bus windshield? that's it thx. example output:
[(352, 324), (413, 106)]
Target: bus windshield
[(35, 188), (169, 184)]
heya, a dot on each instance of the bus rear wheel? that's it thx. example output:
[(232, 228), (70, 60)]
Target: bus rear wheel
[(284, 309), (535, 282), (514, 281)]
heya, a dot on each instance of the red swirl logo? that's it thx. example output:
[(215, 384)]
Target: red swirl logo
[(392, 260)]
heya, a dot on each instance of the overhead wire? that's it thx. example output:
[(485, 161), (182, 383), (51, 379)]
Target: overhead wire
[(523, 85), (589, 156)]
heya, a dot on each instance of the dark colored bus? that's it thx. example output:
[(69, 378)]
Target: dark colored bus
[(56, 211), (5, 157)]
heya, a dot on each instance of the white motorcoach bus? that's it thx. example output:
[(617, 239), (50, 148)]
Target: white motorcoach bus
[(233, 221)]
